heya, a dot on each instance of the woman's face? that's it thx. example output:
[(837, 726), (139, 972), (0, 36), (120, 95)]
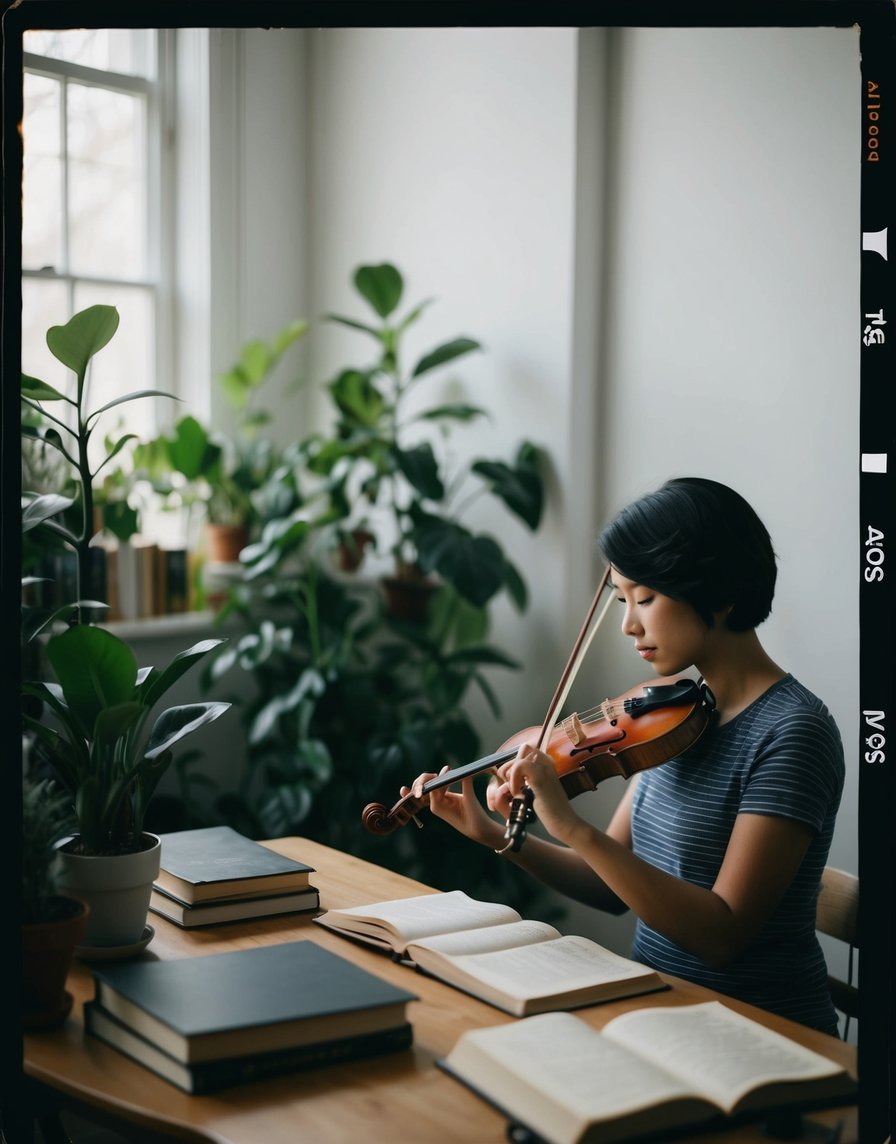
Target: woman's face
[(668, 634)]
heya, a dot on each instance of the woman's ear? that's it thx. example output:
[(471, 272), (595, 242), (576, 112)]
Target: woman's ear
[(720, 617)]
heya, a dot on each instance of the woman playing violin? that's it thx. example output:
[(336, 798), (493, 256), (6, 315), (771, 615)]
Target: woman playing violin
[(718, 852)]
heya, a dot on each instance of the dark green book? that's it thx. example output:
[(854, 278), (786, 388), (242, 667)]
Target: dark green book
[(217, 862), (207, 1076), (249, 1001)]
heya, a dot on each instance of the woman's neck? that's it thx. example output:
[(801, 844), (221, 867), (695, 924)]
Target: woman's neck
[(738, 672)]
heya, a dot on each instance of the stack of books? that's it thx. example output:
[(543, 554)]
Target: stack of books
[(214, 874), (204, 1023)]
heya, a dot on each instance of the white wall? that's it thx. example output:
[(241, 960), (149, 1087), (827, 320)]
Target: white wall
[(731, 348), (451, 153), (655, 234)]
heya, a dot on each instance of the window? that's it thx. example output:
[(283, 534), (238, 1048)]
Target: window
[(95, 172)]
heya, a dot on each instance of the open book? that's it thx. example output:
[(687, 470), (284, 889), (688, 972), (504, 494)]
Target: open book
[(489, 951), (650, 1070)]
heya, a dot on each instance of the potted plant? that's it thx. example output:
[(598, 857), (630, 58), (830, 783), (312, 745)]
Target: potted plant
[(90, 724), (380, 457), (53, 923), (223, 472)]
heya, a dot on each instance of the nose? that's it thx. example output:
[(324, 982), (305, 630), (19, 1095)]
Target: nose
[(631, 626)]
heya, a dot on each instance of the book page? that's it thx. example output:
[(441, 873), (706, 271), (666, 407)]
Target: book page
[(557, 1074), (719, 1052), (487, 939), (423, 916), (547, 967)]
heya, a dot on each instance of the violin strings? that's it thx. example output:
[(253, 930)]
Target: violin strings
[(584, 643)]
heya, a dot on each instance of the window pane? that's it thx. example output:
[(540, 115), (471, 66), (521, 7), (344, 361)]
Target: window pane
[(44, 304), (126, 364), (129, 51), (107, 182), (42, 175)]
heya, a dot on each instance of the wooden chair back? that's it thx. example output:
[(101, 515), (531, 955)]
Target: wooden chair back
[(837, 915)]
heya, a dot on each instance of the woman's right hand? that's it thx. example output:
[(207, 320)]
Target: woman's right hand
[(461, 809)]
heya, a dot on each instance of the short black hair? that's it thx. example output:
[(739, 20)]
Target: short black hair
[(699, 541)]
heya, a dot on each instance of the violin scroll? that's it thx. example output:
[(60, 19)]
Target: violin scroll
[(378, 820), (375, 818)]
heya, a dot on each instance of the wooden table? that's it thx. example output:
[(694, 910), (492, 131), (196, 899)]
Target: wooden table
[(398, 1097)]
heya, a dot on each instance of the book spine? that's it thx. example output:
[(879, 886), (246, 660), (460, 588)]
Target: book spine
[(187, 916), (220, 1074), (210, 1076)]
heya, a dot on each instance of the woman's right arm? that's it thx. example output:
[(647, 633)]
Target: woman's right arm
[(556, 866)]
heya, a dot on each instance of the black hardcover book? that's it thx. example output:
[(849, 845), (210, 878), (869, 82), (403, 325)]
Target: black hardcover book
[(218, 862), (231, 909), (248, 1001), (207, 1076)]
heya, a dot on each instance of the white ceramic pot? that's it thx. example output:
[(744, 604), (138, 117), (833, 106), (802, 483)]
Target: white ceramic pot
[(116, 887)]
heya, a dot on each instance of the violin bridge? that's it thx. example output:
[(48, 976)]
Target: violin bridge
[(575, 732)]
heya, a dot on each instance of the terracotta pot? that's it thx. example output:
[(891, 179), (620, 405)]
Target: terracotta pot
[(225, 542), (350, 554), (408, 599), (47, 952), (117, 888)]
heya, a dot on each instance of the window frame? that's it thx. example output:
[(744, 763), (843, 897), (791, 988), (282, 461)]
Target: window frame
[(160, 166)]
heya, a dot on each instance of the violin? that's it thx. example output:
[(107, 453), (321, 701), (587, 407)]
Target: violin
[(642, 728), (646, 726)]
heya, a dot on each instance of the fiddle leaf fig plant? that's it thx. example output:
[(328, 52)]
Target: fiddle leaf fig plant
[(381, 454), (65, 424), (90, 725)]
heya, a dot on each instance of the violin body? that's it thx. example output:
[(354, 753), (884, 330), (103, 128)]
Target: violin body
[(643, 728)]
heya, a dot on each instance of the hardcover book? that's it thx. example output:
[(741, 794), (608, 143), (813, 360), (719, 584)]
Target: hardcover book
[(253, 1000), (489, 951), (231, 909), (648, 1071), (208, 1076), (217, 862)]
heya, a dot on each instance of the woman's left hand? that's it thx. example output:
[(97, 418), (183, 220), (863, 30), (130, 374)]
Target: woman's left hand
[(535, 769)]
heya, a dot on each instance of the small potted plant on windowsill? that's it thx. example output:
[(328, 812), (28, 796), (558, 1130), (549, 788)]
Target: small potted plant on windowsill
[(89, 724), (220, 471)]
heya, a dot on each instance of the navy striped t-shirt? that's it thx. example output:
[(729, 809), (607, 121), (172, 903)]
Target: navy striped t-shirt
[(781, 756)]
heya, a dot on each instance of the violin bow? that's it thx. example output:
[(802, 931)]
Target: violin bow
[(521, 806)]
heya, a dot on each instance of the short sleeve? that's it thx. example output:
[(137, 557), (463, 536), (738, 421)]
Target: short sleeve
[(798, 771)]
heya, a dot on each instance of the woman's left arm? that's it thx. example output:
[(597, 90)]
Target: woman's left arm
[(763, 856)]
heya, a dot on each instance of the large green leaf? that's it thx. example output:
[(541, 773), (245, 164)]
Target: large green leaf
[(158, 682), (357, 397), (192, 452), (95, 670), (457, 411), (381, 285), (178, 722), (473, 564), (420, 467), (114, 723), (519, 487), (445, 353), (42, 508), (36, 390), (75, 343)]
